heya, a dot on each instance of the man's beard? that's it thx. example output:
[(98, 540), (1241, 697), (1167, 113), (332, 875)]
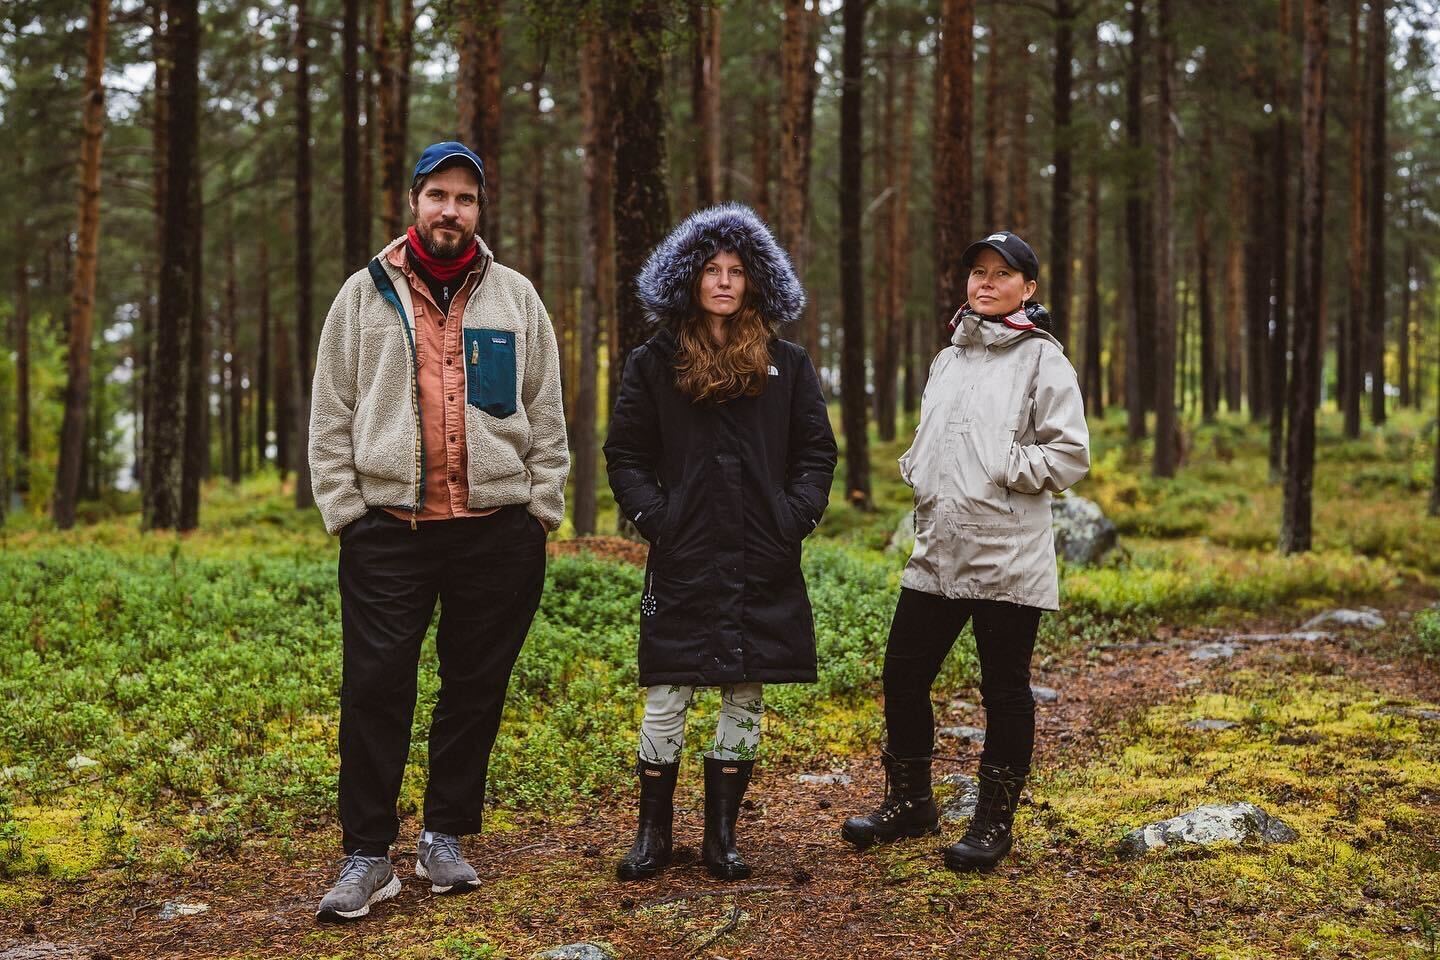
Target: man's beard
[(442, 249)]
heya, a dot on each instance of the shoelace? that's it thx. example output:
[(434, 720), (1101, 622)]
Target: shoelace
[(986, 834), (354, 867), (445, 848)]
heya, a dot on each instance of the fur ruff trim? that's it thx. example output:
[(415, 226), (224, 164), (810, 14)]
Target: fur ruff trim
[(665, 284)]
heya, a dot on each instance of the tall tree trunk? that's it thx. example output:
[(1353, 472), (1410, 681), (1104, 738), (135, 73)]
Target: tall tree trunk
[(1061, 185), (1351, 339), (852, 279), (1257, 253), (642, 206), (705, 98), (82, 287), (538, 190), (799, 36), (1407, 261), (882, 277), (1235, 288), (263, 362), (898, 289), (1138, 316), (1017, 161), (195, 466), (356, 250), (1209, 381), (953, 166), (1295, 531), (1167, 439), (394, 62), (598, 265), (1279, 342), (993, 213), (367, 140), (21, 320), (1377, 158), (760, 149), (232, 351), (479, 98), (1094, 393), (166, 431), (304, 359)]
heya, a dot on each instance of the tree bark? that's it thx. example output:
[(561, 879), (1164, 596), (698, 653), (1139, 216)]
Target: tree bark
[(899, 254), (760, 150), (852, 278), (1350, 342), (1060, 197), (705, 98), (354, 251), (1407, 270), (1295, 532), (1167, 439), (1093, 392), (1017, 159), (232, 358), (304, 350), (1377, 160), (538, 189), (1209, 381), (597, 303), (641, 202), (994, 214), (82, 287), (798, 80), (195, 466), (1258, 256), (479, 98), (21, 321), (953, 165), (1235, 287), (263, 361), (394, 61), (165, 432), (1278, 344), (1138, 316)]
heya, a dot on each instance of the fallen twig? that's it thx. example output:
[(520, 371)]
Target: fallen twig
[(729, 926)]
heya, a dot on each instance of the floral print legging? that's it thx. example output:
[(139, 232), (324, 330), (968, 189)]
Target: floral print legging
[(737, 730)]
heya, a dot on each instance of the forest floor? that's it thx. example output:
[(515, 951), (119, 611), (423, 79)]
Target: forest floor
[(1329, 737)]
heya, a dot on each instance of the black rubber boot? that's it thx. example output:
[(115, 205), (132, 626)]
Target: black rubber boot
[(725, 783), (651, 851), (908, 809), (990, 835)]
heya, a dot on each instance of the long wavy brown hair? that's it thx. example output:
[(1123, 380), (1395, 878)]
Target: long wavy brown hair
[(715, 372)]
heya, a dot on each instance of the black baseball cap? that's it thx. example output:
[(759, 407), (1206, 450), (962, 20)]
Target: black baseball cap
[(438, 153), (1015, 251)]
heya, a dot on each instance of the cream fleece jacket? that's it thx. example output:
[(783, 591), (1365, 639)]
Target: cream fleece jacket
[(365, 446)]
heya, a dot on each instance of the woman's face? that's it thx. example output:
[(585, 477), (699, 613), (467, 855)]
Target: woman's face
[(995, 288), (722, 286)]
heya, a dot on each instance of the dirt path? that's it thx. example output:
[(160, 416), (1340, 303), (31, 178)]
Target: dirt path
[(549, 882)]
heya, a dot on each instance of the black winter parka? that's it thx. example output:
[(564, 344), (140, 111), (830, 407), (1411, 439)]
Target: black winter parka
[(725, 493)]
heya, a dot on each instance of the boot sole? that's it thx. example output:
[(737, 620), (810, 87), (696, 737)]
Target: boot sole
[(464, 887), (721, 873), (340, 916), (910, 833), (961, 865), (626, 872)]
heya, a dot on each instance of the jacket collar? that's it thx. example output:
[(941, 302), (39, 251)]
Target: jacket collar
[(392, 255), (971, 331)]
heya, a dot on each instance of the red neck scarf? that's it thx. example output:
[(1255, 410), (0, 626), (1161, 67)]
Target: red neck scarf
[(442, 270)]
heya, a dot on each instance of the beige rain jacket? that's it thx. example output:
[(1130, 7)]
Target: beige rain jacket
[(1002, 427)]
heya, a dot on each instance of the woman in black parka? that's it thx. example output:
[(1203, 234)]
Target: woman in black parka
[(721, 453)]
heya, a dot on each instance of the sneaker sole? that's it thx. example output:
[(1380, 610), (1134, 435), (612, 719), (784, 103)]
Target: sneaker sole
[(339, 916), (465, 887)]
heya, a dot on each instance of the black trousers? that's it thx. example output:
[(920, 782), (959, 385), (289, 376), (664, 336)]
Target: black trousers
[(923, 631), (487, 573)]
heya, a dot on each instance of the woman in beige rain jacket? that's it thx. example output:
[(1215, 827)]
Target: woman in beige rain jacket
[(1002, 428)]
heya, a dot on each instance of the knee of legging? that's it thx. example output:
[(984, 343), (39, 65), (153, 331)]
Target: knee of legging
[(1007, 698), (898, 679)]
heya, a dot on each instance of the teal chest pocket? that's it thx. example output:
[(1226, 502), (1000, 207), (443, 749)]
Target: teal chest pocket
[(490, 371)]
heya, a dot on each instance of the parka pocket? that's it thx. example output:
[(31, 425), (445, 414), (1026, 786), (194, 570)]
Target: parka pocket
[(981, 557), (490, 371)]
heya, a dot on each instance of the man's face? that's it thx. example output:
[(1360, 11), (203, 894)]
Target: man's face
[(447, 209)]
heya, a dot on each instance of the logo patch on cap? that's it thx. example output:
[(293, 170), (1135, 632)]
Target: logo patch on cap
[(999, 237)]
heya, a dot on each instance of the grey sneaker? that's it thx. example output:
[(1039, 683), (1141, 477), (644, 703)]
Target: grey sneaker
[(363, 881), (439, 861)]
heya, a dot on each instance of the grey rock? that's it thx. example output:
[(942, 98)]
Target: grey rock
[(961, 805), (576, 951), (1305, 636), (962, 705), (1044, 694), (1419, 713), (903, 539), (44, 950), (1209, 824), (1367, 618), (1208, 724), (973, 734), (1215, 651), (1083, 534), (81, 762), (175, 909), (825, 779), (16, 773)]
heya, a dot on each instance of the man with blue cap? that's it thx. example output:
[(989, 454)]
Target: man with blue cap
[(438, 454)]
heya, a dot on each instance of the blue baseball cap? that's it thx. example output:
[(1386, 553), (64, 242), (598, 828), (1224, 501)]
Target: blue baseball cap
[(437, 153)]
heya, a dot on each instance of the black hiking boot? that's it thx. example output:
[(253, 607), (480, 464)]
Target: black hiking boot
[(651, 851), (990, 835), (908, 809), (725, 783)]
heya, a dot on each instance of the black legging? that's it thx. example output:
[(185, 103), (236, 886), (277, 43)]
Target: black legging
[(923, 631)]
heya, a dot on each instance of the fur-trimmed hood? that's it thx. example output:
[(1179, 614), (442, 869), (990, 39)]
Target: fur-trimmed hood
[(666, 283)]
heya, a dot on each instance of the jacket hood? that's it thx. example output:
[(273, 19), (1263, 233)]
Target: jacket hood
[(665, 284), (971, 330)]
